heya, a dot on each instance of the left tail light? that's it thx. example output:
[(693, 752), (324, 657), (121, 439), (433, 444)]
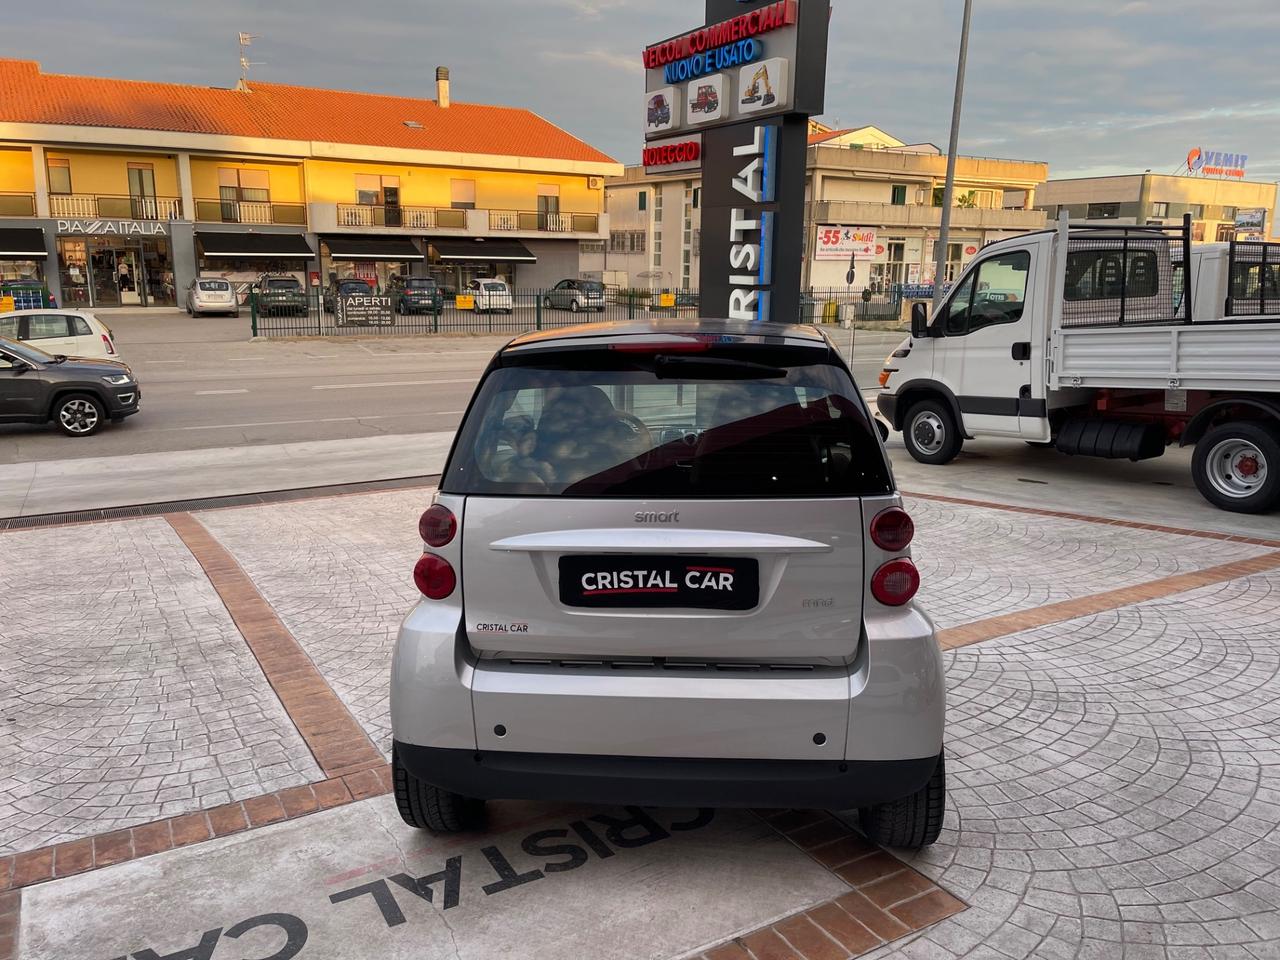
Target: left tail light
[(896, 583), (111, 347), (434, 577), (438, 526)]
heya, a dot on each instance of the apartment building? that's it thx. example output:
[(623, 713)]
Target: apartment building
[(869, 196), (117, 192)]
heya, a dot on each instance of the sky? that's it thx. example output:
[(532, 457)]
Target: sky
[(1091, 86)]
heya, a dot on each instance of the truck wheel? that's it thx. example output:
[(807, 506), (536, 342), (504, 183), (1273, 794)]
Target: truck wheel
[(427, 807), (1237, 467), (912, 822), (931, 433)]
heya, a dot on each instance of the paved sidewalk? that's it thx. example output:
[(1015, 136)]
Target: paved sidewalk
[(1114, 762)]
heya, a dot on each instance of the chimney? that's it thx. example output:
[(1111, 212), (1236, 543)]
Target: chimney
[(442, 87)]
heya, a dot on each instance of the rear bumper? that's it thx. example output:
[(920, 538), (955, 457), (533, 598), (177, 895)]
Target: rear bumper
[(667, 781)]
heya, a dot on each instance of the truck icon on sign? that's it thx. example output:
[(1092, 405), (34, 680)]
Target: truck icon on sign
[(707, 100)]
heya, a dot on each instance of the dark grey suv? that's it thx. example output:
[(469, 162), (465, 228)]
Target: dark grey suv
[(78, 396)]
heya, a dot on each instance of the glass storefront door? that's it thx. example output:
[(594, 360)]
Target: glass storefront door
[(113, 272)]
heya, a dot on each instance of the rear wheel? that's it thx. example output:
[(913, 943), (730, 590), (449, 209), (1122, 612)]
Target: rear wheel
[(427, 807), (931, 433), (79, 414), (912, 822), (546, 303), (573, 306), (1236, 466)]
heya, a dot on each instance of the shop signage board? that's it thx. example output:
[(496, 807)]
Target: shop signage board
[(1252, 221), (674, 155), (1216, 163), (363, 310), (465, 302), (746, 83), (118, 228), (841, 243)]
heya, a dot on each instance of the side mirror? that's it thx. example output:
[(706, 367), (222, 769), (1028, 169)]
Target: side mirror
[(920, 321)]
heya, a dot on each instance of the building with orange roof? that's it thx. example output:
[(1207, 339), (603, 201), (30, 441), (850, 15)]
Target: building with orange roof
[(121, 192)]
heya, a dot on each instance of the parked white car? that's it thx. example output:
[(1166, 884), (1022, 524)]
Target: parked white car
[(492, 296), (212, 295), (70, 333)]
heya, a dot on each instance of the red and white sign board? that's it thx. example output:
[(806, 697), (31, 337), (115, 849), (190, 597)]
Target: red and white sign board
[(841, 243)]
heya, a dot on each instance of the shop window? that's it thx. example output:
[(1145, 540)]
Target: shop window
[(462, 194), (59, 175)]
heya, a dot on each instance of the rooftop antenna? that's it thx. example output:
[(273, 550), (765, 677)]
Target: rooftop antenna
[(246, 39)]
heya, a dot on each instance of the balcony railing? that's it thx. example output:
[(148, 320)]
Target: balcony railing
[(407, 218), (251, 212), (17, 204), (540, 222), (863, 213), (80, 205)]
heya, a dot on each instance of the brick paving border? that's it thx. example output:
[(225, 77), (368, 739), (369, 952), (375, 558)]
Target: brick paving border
[(1010, 623), (338, 743)]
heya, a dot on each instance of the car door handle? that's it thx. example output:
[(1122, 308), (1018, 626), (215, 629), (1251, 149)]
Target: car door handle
[(1022, 351)]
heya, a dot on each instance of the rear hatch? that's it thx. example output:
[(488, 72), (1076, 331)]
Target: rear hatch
[(676, 498)]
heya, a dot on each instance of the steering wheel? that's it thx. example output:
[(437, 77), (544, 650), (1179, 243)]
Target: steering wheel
[(642, 437)]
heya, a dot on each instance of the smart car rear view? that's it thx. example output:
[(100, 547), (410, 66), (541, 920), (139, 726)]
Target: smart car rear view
[(667, 565)]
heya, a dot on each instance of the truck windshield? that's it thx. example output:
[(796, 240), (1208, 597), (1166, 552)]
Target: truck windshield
[(726, 424)]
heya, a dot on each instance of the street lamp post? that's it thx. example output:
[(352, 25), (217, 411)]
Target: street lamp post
[(944, 236)]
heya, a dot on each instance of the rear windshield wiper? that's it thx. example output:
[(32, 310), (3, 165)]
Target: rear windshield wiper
[(667, 367)]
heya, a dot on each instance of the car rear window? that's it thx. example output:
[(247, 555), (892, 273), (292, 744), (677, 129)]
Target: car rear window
[(496, 287), (215, 286), (420, 284), (354, 286), (768, 423), (284, 285)]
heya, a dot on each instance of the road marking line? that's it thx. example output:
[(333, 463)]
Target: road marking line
[(295, 423), (164, 361), (389, 383), (218, 393)]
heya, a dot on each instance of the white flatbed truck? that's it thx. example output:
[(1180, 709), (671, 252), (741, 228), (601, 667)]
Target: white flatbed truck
[(1103, 341)]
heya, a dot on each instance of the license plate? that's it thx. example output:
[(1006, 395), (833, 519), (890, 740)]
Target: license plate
[(698, 583)]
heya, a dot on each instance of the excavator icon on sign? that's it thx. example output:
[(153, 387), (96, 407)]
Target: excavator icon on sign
[(753, 92)]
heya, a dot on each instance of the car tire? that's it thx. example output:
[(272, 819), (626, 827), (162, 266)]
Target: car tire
[(912, 822), (1222, 471), (574, 307), (429, 807), (79, 414), (547, 304), (931, 433)]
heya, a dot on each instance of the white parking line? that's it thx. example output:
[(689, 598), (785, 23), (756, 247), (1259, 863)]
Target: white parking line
[(389, 383), (218, 393)]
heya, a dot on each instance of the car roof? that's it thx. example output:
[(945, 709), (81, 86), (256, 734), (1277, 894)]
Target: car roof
[(43, 310), (669, 326)]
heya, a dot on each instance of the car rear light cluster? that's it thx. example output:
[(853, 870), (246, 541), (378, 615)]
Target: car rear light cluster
[(897, 581), (111, 347), (433, 575)]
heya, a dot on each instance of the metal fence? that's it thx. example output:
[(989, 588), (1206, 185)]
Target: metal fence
[(1123, 276), (539, 309), (1254, 269)]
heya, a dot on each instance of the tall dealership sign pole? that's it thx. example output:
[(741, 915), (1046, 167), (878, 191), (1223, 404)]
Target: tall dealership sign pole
[(948, 193), (733, 99)]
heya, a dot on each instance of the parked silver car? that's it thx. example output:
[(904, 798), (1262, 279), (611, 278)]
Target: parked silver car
[(212, 295), (688, 583), (575, 295)]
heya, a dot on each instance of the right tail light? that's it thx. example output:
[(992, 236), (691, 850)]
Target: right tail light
[(893, 530), (438, 526), (895, 583)]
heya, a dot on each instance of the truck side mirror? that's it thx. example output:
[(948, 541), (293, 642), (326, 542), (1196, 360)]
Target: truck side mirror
[(920, 321)]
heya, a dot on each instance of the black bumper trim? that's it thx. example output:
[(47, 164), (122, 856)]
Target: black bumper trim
[(887, 404), (666, 781)]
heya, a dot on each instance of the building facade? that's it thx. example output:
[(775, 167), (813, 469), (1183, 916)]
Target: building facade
[(1219, 208), (868, 195), (120, 193)]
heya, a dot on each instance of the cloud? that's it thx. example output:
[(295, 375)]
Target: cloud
[(629, 63)]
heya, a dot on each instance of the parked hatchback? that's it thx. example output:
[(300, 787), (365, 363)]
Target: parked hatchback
[(418, 295), (281, 296), (73, 333), (575, 295), (491, 296), (78, 396), (668, 565), (212, 295)]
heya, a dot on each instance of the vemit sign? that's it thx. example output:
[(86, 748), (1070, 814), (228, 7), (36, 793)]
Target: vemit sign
[(1215, 163)]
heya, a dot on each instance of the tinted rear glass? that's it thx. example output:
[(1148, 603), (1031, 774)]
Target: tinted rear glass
[(420, 284), (354, 286), (283, 285), (496, 287), (215, 286), (603, 424)]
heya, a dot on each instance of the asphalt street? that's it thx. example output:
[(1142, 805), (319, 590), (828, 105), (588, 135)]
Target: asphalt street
[(206, 384)]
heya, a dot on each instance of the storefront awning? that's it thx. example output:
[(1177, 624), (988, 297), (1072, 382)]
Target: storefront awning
[(24, 243), (496, 251), (238, 245), (392, 249)]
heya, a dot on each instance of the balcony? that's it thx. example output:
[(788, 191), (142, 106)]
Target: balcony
[(17, 204), (254, 212), (887, 215), (92, 206), (448, 221)]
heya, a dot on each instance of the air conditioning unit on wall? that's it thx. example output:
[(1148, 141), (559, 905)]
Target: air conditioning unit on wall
[(595, 183)]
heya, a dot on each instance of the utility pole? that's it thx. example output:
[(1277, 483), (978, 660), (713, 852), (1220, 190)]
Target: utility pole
[(944, 237)]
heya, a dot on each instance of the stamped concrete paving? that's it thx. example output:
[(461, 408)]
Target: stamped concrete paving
[(122, 699), (1115, 786), (339, 572), (356, 883)]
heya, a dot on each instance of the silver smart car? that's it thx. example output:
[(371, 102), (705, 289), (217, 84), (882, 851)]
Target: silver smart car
[(668, 566)]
